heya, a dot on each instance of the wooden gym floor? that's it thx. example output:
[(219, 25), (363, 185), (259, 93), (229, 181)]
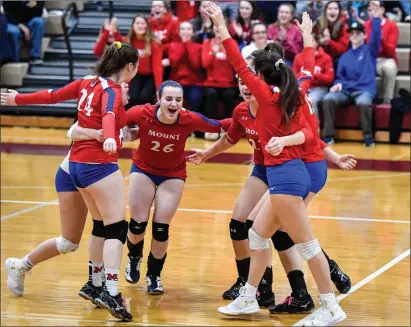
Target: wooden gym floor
[(362, 219)]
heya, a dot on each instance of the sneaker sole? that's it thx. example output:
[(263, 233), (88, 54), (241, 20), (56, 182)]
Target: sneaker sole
[(267, 303), (130, 280), (291, 313), (156, 293), (239, 313), (87, 297), (9, 279), (101, 304), (119, 316)]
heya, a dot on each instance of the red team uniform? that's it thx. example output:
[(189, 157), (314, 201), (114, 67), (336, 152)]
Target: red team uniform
[(161, 149)]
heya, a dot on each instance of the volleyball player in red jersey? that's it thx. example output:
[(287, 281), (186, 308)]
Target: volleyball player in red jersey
[(93, 165), (157, 175), (289, 181)]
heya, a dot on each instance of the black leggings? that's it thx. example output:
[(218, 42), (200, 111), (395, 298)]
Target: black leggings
[(142, 90), (227, 95)]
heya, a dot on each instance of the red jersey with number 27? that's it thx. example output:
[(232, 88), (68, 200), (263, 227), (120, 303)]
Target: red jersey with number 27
[(243, 123), (100, 106), (161, 149)]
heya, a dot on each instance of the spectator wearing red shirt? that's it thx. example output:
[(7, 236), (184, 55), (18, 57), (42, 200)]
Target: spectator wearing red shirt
[(240, 28), (108, 34), (323, 74), (220, 83), (150, 71), (333, 31), (387, 58), (184, 9), (185, 62), (162, 23), (286, 33)]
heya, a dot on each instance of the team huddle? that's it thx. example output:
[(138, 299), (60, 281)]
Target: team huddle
[(277, 119)]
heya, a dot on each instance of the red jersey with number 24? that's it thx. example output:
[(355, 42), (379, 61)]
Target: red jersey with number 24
[(161, 149)]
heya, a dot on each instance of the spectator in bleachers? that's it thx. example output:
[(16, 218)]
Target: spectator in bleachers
[(162, 23), (150, 71), (405, 5), (356, 81), (355, 11), (240, 28), (313, 7), (332, 29), (202, 24), (269, 9), (25, 20), (387, 58), (5, 50), (229, 8), (285, 32), (220, 83), (323, 74), (109, 33), (259, 39), (185, 62), (184, 10)]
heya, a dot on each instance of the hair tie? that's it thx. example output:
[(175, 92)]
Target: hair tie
[(277, 64), (118, 44)]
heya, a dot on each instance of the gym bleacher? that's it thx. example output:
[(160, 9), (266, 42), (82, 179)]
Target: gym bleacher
[(85, 20)]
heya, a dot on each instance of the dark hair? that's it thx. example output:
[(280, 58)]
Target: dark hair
[(168, 83), (115, 57), (148, 35), (269, 62), (254, 15)]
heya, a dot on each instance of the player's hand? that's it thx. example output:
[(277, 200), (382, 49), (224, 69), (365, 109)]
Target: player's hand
[(198, 157), (275, 146), (9, 98), (110, 145), (306, 26), (99, 135), (336, 88), (215, 13), (347, 162)]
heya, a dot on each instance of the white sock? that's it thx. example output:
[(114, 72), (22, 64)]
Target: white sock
[(112, 280), (250, 291), (97, 273), (328, 299), (27, 263)]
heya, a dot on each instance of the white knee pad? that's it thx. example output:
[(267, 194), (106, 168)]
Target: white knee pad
[(64, 246), (257, 242), (309, 250)]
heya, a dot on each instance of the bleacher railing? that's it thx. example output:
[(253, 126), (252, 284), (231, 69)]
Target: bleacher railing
[(110, 9), (70, 11)]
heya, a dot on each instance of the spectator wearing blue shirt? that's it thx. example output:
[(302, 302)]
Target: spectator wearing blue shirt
[(355, 81)]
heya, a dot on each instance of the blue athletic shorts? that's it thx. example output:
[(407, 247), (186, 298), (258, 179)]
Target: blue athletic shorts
[(259, 171), (63, 182), (84, 174), (289, 178), (157, 179), (318, 173)]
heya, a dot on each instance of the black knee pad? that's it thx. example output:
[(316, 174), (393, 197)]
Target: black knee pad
[(117, 231), (248, 225), (137, 228), (238, 230), (98, 228), (282, 241), (160, 232)]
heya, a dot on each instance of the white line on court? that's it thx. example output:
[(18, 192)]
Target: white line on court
[(226, 212), (361, 283), (38, 206)]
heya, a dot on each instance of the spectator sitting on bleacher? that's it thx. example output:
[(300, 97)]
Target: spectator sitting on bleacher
[(220, 83), (356, 81), (355, 11), (313, 7), (185, 61), (150, 71), (333, 30), (387, 58), (25, 19), (240, 28), (202, 24), (285, 32), (184, 10), (5, 50), (259, 39), (109, 33), (323, 74)]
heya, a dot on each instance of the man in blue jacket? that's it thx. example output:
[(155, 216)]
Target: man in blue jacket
[(355, 81)]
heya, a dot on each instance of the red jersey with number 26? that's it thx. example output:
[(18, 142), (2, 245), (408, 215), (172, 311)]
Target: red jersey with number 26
[(242, 123), (161, 149), (100, 106)]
